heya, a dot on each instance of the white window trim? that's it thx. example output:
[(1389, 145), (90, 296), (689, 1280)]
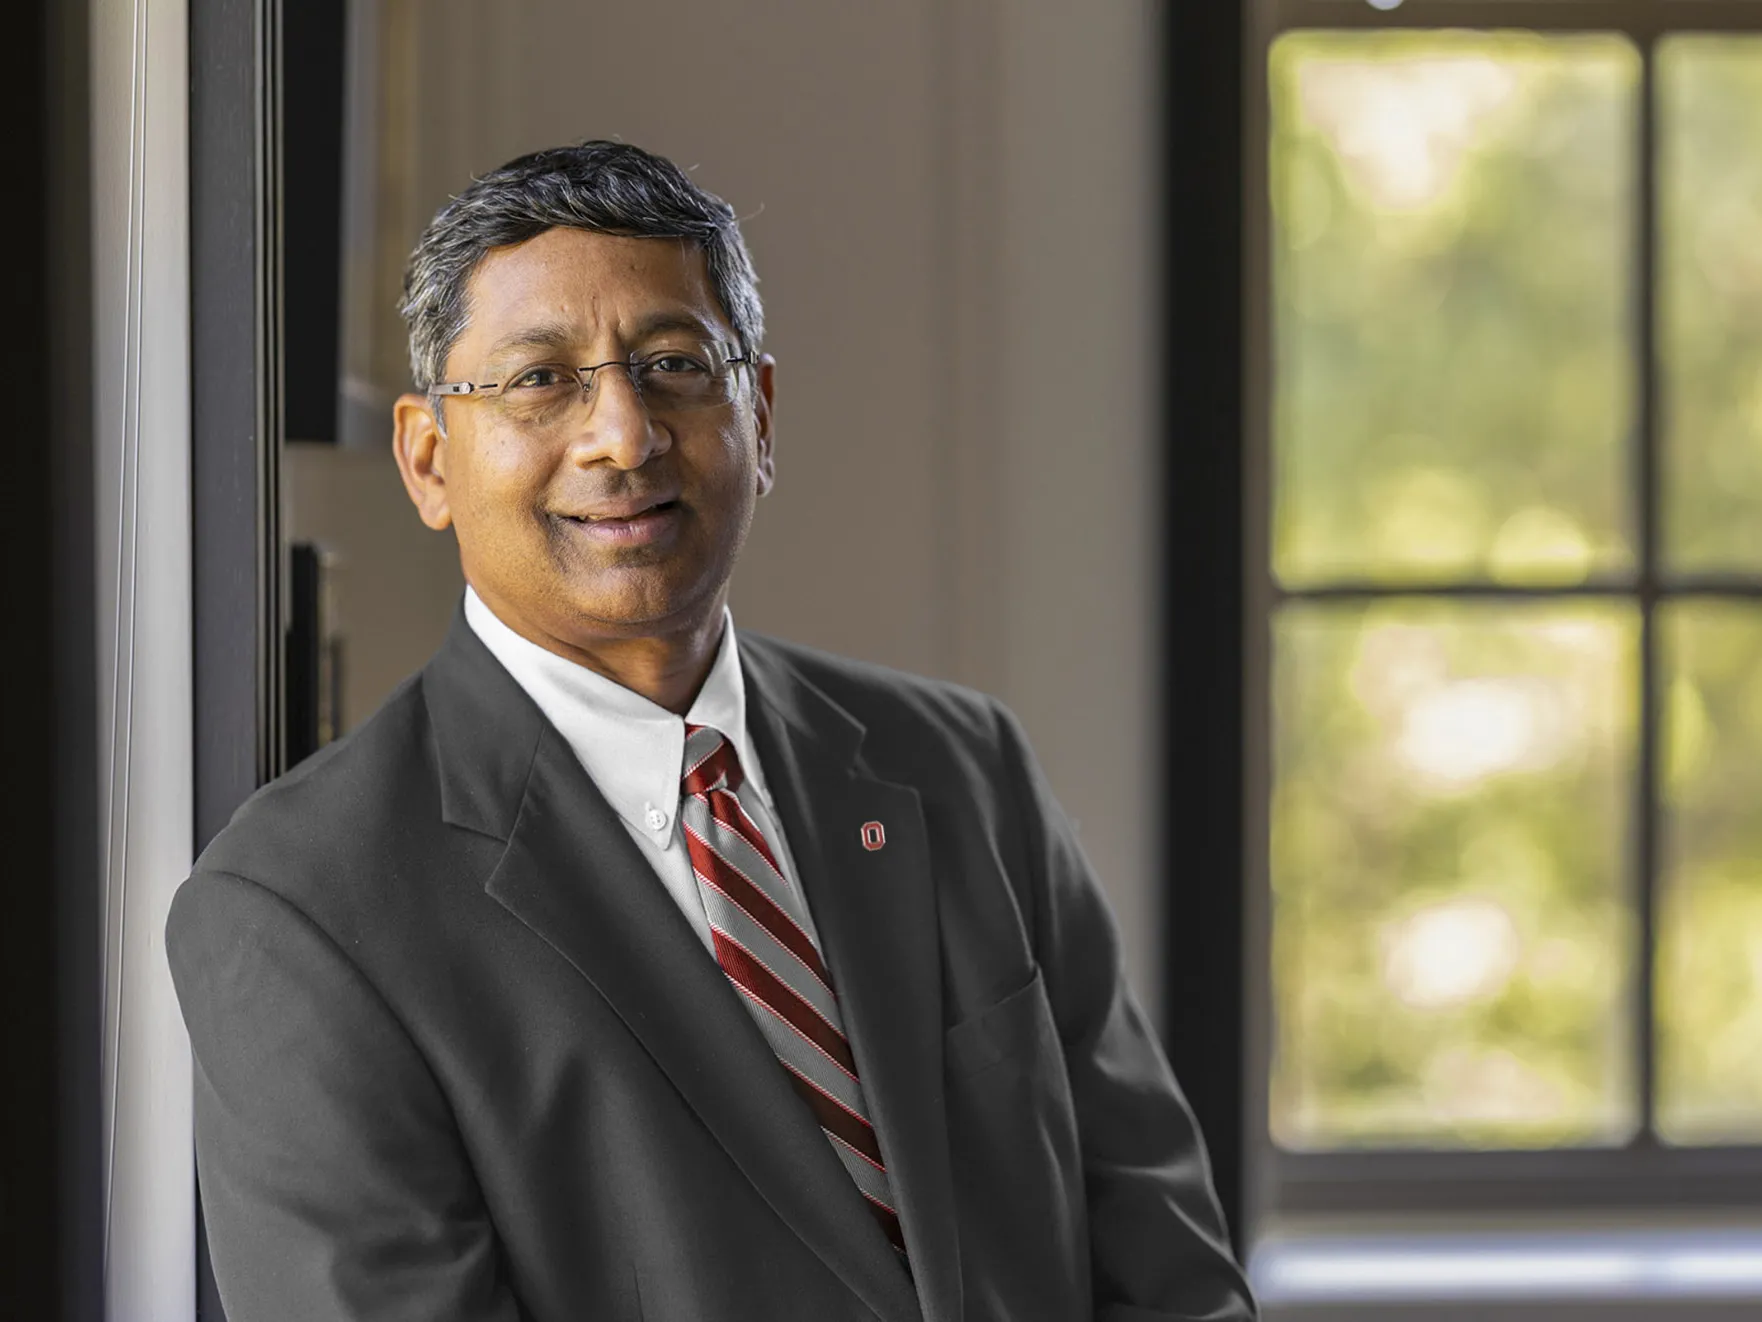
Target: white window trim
[(141, 376), (1512, 1267)]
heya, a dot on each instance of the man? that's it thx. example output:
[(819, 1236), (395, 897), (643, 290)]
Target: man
[(623, 966)]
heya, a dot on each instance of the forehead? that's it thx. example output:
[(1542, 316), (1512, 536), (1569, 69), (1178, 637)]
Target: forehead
[(592, 284)]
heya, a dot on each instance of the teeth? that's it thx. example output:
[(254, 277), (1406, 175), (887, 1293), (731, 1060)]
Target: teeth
[(619, 518)]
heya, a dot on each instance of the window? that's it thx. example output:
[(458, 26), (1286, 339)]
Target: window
[(1513, 555)]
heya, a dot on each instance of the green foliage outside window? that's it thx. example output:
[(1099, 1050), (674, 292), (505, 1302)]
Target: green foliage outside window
[(1454, 326), (1447, 860), (1455, 246)]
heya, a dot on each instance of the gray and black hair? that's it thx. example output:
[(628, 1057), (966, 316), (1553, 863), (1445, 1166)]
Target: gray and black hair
[(607, 187)]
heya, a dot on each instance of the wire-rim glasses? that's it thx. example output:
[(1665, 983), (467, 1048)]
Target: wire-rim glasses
[(667, 379)]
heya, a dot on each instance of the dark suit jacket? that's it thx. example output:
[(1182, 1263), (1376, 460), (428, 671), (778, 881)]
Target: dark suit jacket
[(460, 1057)]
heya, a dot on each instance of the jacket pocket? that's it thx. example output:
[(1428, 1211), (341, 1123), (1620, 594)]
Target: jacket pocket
[(1017, 1028), (1017, 1164)]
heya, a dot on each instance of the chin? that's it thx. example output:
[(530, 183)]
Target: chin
[(636, 608)]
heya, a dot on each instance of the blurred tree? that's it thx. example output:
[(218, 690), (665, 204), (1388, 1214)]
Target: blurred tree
[(1710, 958), (1454, 301), (1450, 935), (1710, 113), (1454, 248)]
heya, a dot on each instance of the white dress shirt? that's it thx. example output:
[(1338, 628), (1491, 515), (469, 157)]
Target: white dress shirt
[(634, 750)]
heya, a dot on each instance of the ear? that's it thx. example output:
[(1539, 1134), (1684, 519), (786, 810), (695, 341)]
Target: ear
[(421, 451), (762, 416)]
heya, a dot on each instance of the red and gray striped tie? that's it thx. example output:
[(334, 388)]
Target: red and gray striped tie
[(763, 942)]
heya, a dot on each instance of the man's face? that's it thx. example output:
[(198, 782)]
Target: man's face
[(621, 522)]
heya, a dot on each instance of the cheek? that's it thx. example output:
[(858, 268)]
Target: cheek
[(501, 481), (736, 477)]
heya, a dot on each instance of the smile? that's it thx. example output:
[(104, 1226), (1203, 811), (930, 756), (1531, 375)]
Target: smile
[(640, 527)]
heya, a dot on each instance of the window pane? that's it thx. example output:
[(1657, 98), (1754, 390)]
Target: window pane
[(1711, 335), (1453, 247), (1451, 790), (1710, 953)]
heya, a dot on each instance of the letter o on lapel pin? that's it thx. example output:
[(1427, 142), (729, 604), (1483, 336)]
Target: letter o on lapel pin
[(874, 836)]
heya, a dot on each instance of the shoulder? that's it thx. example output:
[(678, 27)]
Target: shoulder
[(880, 697), (917, 730), (320, 817)]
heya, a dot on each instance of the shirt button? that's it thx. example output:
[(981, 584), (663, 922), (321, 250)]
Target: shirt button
[(655, 818)]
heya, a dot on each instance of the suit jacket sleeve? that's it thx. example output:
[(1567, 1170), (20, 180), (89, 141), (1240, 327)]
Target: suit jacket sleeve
[(1158, 1248), (333, 1180)]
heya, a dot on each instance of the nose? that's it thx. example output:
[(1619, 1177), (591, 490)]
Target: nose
[(615, 425)]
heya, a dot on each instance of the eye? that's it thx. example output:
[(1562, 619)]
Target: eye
[(546, 376), (673, 362)]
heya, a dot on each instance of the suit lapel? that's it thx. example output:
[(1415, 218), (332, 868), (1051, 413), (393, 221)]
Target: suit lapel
[(864, 856), (572, 874)]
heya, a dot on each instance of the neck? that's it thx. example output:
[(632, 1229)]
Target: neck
[(667, 671), (668, 667)]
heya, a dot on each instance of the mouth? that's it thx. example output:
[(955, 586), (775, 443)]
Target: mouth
[(627, 523)]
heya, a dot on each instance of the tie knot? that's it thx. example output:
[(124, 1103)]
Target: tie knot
[(710, 761)]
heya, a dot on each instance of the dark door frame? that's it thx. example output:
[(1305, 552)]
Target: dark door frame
[(236, 400), (236, 406), (1204, 938)]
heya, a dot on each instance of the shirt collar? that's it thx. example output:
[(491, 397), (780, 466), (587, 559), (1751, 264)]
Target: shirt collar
[(633, 749)]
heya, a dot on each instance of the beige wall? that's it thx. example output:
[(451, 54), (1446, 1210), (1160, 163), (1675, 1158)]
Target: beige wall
[(950, 206)]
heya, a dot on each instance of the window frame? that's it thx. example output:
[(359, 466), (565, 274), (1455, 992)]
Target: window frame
[(1646, 1174), (237, 428)]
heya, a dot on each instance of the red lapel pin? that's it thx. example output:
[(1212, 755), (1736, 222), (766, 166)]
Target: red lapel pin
[(874, 836)]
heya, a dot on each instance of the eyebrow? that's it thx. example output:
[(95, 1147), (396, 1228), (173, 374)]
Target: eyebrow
[(545, 335), (660, 322), (558, 335)]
